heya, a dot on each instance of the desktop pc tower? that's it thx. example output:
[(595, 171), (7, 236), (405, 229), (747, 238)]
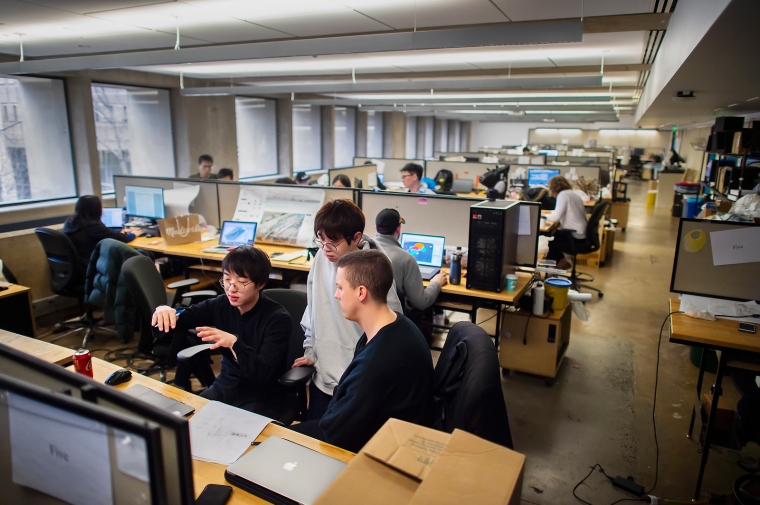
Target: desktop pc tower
[(492, 251)]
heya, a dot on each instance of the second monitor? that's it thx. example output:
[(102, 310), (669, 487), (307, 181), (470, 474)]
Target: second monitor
[(144, 201), (541, 176)]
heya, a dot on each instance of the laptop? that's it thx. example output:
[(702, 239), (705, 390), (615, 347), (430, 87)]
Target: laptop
[(284, 472), (462, 185), (427, 250), (113, 218), (233, 234), (164, 403)]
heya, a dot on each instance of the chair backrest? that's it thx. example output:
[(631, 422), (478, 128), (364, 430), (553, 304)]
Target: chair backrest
[(66, 272), (593, 242), (148, 292), (295, 303)]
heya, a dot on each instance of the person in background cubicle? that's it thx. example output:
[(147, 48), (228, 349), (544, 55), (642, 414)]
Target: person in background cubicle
[(205, 162), (302, 179), (225, 174), (526, 151), (411, 175), (284, 180), (341, 181), (85, 229), (570, 213)]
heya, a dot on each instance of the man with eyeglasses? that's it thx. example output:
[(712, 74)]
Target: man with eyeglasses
[(251, 331), (331, 338), (411, 175)]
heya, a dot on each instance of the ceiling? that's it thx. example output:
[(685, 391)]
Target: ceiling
[(594, 79)]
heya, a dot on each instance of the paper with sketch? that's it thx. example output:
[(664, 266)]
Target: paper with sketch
[(284, 215), (524, 228), (58, 453), (179, 199), (220, 433), (711, 308), (731, 247), (131, 455)]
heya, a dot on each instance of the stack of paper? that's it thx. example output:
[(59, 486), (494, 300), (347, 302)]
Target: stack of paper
[(220, 433)]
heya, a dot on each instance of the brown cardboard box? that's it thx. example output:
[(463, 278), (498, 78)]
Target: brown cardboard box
[(408, 464)]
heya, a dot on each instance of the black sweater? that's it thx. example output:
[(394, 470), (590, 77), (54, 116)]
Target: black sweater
[(262, 346), (86, 237), (391, 376)]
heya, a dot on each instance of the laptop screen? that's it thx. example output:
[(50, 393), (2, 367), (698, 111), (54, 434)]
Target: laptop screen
[(237, 233), (112, 218), (426, 249)]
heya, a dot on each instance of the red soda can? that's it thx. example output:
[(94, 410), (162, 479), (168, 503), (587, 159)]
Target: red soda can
[(83, 362)]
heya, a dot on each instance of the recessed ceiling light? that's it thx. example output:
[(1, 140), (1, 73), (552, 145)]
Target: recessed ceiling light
[(684, 96), (733, 105), (549, 120)]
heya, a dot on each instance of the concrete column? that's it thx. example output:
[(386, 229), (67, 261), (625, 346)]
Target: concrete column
[(182, 162), (361, 133), (83, 141), (285, 137), (421, 130), (440, 135), (394, 135), (453, 136), (328, 136), (212, 130), (465, 134)]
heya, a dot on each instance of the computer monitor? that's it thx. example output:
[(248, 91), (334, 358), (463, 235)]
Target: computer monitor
[(237, 233), (113, 217), (57, 449), (144, 201), (541, 176), (718, 259), (175, 433), (428, 250), (637, 151), (549, 152)]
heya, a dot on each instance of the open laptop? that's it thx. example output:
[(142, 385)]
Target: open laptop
[(427, 251), (233, 234), (284, 472), (164, 403), (113, 218)]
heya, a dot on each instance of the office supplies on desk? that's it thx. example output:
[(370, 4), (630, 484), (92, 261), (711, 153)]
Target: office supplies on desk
[(113, 218), (164, 403), (427, 251), (220, 433), (283, 472), (234, 234), (288, 257)]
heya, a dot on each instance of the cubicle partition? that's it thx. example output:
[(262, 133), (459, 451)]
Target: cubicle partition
[(206, 204), (527, 236), (438, 155), (365, 173), (460, 169), (392, 166)]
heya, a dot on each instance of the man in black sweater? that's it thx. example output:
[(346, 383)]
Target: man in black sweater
[(391, 374), (252, 332)]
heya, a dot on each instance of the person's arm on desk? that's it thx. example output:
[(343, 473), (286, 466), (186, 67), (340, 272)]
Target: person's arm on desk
[(559, 210)]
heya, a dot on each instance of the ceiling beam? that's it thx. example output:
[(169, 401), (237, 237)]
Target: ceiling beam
[(626, 23)]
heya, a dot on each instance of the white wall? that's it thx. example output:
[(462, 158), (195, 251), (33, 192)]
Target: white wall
[(497, 134)]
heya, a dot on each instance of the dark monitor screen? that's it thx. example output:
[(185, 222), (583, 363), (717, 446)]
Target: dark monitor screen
[(638, 151), (541, 176)]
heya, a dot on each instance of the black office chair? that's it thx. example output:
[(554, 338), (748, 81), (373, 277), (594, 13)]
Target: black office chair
[(634, 166), (295, 379), (468, 393), (591, 244)]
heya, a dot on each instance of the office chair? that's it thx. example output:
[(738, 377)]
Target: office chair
[(468, 393), (591, 244), (635, 165), (295, 379)]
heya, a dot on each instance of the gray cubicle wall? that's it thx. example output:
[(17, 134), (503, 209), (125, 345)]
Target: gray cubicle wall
[(361, 172), (206, 204), (460, 169), (393, 166)]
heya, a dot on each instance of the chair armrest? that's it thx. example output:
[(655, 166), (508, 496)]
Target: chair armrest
[(296, 376), (197, 296), (183, 284)]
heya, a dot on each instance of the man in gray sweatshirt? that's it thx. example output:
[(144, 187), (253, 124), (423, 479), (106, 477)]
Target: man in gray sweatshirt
[(331, 338)]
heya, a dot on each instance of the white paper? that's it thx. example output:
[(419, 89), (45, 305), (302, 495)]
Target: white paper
[(714, 306), (220, 433), (58, 453), (131, 455), (372, 180), (732, 247), (179, 199), (524, 228)]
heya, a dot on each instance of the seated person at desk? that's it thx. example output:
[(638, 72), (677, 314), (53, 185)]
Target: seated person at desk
[(205, 162), (302, 179), (225, 174), (85, 229), (377, 385), (252, 332), (406, 273), (526, 151), (341, 181), (411, 175), (284, 180), (330, 337), (570, 213)]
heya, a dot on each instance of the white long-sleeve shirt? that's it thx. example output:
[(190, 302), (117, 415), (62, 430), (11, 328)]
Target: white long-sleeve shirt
[(570, 213)]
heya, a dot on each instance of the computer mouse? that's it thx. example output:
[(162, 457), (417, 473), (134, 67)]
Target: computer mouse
[(148, 235), (119, 377)]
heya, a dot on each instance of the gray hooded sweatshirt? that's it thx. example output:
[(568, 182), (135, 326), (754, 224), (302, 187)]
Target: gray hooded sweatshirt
[(330, 338)]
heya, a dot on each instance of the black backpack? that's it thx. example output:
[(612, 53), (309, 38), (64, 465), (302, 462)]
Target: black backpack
[(445, 179)]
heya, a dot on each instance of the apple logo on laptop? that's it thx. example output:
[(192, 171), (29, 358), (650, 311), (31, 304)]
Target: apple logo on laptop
[(290, 466)]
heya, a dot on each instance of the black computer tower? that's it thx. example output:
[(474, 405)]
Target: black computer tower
[(492, 253)]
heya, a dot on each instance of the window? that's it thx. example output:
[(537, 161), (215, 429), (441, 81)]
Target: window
[(133, 128), (411, 137), (256, 120), (345, 136), (374, 134), (307, 137), (35, 147)]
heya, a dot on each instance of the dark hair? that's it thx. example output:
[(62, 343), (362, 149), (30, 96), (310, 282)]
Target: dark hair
[(371, 269), (205, 157), (247, 261), (225, 172), (526, 148), (87, 210), (413, 168), (558, 184), (284, 180), (343, 178), (339, 219)]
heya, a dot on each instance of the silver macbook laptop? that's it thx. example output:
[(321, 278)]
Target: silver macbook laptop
[(165, 403), (233, 234), (462, 185), (427, 250), (284, 472)]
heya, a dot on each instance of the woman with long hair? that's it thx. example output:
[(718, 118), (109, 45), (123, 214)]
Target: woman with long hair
[(571, 215)]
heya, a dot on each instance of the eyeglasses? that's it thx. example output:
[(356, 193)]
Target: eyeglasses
[(239, 286), (327, 246), (404, 176)]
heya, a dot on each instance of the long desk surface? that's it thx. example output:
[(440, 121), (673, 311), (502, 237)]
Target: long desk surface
[(38, 348), (720, 334)]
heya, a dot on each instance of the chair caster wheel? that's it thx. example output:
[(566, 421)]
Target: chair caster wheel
[(601, 295), (549, 382)]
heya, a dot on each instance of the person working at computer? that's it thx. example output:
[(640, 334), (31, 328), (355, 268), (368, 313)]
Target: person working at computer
[(331, 338), (570, 213), (205, 162), (252, 332), (411, 175), (406, 272), (341, 181), (225, 174), (302, 179), (526, 151), (85, 229), (391, 373)]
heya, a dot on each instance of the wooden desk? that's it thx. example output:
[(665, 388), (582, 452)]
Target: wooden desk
[(38, 348), (16, 314)]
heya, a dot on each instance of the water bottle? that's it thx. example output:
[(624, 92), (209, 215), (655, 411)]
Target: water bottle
[(538, 299), (455, 272)]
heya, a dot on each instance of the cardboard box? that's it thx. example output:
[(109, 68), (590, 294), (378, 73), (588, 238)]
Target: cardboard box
[(409, 464)]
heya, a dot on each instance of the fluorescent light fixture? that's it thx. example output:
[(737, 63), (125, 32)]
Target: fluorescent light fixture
[(546, 130), (628, 132), (552, 112), (466, 96)]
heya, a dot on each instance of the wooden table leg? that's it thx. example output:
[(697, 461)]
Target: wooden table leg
[(711, 420), (697, 404)]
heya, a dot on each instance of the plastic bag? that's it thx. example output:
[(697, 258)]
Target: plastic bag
[(747, 206)]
